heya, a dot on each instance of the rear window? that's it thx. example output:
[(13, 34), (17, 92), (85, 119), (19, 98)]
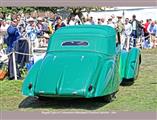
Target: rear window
[(75, 43)]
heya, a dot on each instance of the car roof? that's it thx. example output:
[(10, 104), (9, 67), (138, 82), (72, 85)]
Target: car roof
[(87, 29), (100, 38)]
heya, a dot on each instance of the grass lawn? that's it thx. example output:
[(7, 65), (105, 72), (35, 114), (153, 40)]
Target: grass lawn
[(141, 96)]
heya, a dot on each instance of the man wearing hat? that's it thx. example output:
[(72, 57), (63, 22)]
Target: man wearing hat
[(120, 27), (59, 23), (40, 26), (32, 31)]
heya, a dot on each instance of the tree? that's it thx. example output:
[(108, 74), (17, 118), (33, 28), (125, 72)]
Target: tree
[(79, 11), (73, 11)]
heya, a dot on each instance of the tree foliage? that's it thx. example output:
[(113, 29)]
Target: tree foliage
[(71, 10)]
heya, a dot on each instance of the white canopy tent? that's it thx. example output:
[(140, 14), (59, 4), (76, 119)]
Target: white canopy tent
[(141, 13)]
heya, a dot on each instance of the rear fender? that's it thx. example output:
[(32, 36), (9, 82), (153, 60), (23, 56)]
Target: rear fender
[(29, 82), (106, 78), (123, 63), (130, 62)]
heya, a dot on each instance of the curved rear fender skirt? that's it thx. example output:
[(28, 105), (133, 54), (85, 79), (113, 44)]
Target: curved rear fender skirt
[(123, 63), (132, 63), (30, 80), (105, 80)]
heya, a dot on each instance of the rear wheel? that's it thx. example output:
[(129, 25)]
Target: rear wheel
[(137, 72), (42, 98), (108, 98), (127, 82), (138, 69)]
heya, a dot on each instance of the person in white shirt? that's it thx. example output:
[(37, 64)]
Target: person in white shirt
[(126, 34)]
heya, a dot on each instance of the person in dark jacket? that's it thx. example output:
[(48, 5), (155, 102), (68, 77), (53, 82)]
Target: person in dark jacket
[(136, 29), (13, 35), (22, 46), (59, 24)]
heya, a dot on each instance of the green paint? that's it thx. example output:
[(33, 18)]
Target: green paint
[(69, 71)]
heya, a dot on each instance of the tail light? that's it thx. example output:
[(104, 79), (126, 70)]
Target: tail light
[(90, 88), (30, 86)]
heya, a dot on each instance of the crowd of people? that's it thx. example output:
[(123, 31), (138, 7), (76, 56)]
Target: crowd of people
[(128, 30)]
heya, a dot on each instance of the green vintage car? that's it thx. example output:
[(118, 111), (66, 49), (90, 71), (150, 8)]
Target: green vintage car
[(82, 61)]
